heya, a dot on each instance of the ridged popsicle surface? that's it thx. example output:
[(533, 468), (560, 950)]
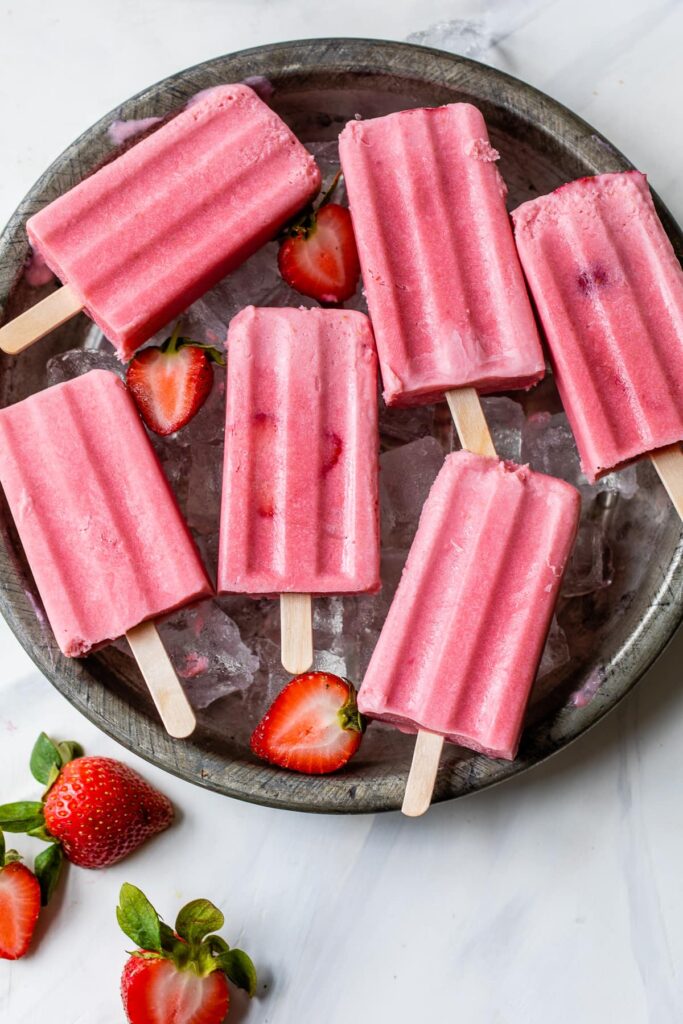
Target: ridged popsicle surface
[(105, 540), (609, 293), (461, 644), (300, 488), (444, 287), (147, 234)]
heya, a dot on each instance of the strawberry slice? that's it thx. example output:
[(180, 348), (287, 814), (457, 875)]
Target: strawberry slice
[(171, 382), (319, 257), (154, 991), (313, 726), (180, 975), (19, 904)]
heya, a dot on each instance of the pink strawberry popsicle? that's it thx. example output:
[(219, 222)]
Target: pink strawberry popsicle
[(609, 292), (445, 290), (103, 535), (300, 490), (461, 644), (142, 238), (105, 540)]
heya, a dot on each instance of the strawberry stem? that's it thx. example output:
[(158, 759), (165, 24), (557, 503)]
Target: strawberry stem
[(330, 191), (171, 345), (303, 224), (350, 717)]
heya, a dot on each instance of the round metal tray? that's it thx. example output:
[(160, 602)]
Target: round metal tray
[(319, 85)]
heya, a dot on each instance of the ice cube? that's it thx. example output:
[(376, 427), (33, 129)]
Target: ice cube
[(268, 682), (204, 488), (256, 283), (175, 458), (78, 361), (589, 568), (555, 652), (406, 476), (364, 615), (208, 426), (326, 153), (548, 445), (328, 623), (208, 652), (329, 661), (398, 426), (505, 418), (623, 482)]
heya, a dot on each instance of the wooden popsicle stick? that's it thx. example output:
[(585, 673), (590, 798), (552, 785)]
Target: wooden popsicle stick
[(470, 421), (418, 794), (163, 684), (39, 320), (669, 464), (475, 436), (296, 632)]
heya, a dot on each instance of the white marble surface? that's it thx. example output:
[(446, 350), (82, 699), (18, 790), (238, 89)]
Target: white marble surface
[(556, 897)]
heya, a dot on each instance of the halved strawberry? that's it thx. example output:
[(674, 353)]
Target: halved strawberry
[(154, 991), (313, 726), (180, 975), (170, 383), (319, 257), (19, 904)]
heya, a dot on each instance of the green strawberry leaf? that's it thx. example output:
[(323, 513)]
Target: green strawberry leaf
[(22, 816), (239, 969), (48, 868), (168, 939), (197, 919), (138, 919), (69, 750), (45, 757), (215, 945), (2, 848), (51, 779), (42, 833), (207, 956)]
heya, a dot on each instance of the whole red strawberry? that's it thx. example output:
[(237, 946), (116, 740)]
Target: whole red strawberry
[(312, 726), (19, 904), (171, 382), (318, 256), (101, 810), (97, 808), (180, 975)]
